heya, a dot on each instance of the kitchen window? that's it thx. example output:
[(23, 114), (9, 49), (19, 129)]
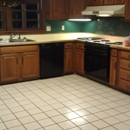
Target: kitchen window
[(25, 17)]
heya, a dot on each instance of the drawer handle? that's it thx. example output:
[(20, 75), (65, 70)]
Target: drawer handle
[(128, 87), (128, 76)]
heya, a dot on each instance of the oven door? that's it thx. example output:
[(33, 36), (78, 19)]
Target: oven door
[(96, 64)]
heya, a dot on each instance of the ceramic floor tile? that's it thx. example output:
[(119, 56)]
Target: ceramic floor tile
[(122, 117), (53, 127), (79, 121), (46, 122), (93, 110), (121, 126), (34, 111), (127, 122), (5, 112), (12, 123), (71, 115), (59, 118), (29, 106), (88, 127), (32, 126), (100, 124), (70, 102), (26, 120), (21, 114), (66, 125), (16, 109), (91, 118), (8, 117), (18, 128), (82, 112), (40, 116), (3, 107), (109, 128), (76, 128), (2, 126), (111, 120)]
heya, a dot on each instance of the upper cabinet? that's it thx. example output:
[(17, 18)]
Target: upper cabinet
[(56, 9), (127, 10), (94, 2), (110, 2), (22, 16), (76, 7)]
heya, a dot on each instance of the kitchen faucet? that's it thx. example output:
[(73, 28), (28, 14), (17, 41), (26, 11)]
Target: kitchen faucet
[(12, 36)]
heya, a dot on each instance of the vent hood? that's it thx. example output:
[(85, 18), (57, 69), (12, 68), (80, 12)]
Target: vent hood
[(110, 10)]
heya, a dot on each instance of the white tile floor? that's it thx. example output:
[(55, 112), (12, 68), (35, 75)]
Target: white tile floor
[(69, 102)]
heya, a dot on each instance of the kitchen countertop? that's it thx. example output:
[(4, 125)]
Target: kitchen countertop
[(63, 37)]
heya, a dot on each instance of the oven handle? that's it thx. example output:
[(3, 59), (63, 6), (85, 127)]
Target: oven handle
[(96, 53)]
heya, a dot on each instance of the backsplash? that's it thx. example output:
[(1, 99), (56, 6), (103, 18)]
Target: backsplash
[(110, 26)]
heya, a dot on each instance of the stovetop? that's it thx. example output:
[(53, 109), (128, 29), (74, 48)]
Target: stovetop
[(100, 40)]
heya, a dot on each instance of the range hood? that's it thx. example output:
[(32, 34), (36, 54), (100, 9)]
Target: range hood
[(110, 10)]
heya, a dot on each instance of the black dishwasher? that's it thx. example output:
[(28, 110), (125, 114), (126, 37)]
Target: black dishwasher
[(51, 60)]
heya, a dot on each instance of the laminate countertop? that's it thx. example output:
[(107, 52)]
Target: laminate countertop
[(61, 37)]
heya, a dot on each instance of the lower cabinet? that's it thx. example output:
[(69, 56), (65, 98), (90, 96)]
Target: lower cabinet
[(68, 58), (113, 67), (10, 66), (30, 65), (19, 63), (80, 58)]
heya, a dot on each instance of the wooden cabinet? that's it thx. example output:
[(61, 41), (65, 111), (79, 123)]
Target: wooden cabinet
[(76, 7), (113, 67), (56, 9), (30, 66), (10, 67), (19, 63), (124, 71), (80, 58), (94, 2), (68, 58), (127, 10), (111, 2)]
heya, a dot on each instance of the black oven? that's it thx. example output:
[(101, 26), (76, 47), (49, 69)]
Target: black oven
[(96, 60)]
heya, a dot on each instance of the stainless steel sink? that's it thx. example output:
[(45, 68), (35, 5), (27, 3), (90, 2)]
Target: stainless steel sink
[(16, 40)]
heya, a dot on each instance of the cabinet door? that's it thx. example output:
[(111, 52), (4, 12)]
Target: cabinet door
[(10, 71), (74, 8), (59, 9), (112, 77), (68, 66), (80, 61), (119, 1), (94, 2), (30, 65), (108, 2), (127, 10)]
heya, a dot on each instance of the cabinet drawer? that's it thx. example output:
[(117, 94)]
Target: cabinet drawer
[(124, 74), (18, 49), (125, 55), (125, 64), (114, 52), (124, 85), (68, 45), (80, 46)]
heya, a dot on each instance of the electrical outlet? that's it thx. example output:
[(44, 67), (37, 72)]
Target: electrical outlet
[(63, 27), (48, 28)]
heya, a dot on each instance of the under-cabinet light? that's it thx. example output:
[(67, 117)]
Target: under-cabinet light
[(104, 15), (79, 19)]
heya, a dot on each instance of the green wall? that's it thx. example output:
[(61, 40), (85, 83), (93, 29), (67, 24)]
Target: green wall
[(110, 26)]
